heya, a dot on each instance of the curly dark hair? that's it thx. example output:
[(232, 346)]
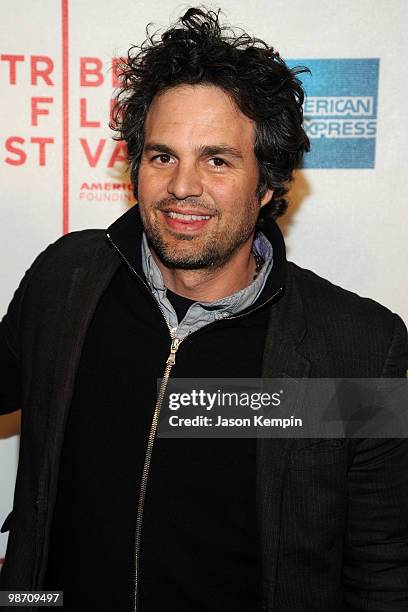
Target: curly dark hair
[(198, 50)]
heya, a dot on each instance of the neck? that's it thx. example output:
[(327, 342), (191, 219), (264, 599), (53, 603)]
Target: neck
[(208, 284)]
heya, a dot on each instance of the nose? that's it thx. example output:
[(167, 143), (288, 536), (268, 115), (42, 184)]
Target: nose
[(185, 181)]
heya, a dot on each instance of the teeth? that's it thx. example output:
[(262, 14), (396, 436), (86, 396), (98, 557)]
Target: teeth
[(175, 215)]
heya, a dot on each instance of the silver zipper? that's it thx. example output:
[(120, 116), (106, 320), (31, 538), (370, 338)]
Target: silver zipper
[(175, 343)]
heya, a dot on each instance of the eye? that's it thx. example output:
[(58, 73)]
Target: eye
[(163, 158), (218, 162)]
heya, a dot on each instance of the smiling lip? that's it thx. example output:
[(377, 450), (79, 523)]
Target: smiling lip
[(186, 220)]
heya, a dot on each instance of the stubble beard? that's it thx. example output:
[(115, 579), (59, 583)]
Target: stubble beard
[(213, 252)]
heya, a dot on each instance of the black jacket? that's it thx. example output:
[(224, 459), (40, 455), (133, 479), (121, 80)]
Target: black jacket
[(316, 329)]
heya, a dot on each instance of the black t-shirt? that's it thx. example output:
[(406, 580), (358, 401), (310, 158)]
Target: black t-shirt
[(180, 304)]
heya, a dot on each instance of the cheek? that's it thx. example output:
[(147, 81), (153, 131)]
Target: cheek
[(148, 184), (226, 191), (232, 192)]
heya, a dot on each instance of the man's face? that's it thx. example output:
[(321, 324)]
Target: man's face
[(198, 177)]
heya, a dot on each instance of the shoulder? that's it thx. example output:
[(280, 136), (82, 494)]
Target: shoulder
[(67, 253), (76, 244), (345, 324), (59, 262), (323, 298), (49, 276)]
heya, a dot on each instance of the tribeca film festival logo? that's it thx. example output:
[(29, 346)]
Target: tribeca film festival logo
[(340, 112), (34, 139), (37, 77)]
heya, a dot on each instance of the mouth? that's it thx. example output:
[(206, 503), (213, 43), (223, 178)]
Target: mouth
[(189, 221)]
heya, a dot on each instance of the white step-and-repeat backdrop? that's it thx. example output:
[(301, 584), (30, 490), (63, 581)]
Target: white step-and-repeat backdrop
[(60, 170)]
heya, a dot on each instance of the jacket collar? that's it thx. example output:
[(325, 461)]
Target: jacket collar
[(126, 234)]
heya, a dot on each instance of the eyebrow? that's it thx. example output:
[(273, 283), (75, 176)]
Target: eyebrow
[(203, 150)]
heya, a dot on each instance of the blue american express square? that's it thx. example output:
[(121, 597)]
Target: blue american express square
[(340, 111)]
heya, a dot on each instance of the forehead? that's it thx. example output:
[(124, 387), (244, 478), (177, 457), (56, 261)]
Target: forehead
[(204, 113)]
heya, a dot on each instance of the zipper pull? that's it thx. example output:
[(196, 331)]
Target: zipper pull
[(173, 350)]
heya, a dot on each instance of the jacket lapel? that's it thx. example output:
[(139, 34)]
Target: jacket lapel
[(281, 360), (81, 296)]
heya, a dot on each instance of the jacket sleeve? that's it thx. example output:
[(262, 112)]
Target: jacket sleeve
[(375, 569), (10, 375), (10, 345)]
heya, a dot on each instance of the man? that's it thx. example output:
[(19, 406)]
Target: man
[(193, 283)]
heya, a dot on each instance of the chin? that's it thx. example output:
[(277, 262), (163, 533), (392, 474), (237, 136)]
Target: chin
[(183, 261)]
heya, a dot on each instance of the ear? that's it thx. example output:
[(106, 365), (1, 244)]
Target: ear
[(267, 196)]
